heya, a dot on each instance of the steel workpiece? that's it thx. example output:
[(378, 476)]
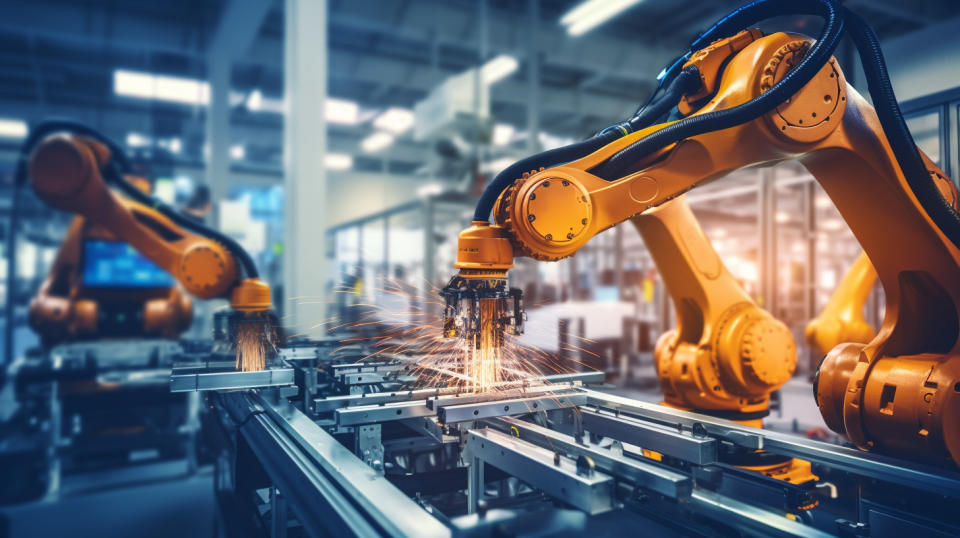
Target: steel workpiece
[(560, 477), (644, 474), (450, 414)]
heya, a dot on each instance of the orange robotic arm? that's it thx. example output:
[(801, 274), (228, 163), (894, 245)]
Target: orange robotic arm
[(898, 393), (727, 354), (842, 318), (63, 308), (65, 172)]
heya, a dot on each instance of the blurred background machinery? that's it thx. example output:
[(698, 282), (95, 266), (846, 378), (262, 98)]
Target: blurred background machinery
[(344, 144)]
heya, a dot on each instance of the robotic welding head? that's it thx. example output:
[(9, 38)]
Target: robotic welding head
[(478, 298)]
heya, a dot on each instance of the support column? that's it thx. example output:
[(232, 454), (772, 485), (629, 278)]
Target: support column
[(236, 31), (305, 145), (767, 255), (810, 271), (475, 484), (218, 132), (533, 77)]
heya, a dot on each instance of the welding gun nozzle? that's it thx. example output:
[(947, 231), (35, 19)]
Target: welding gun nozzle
[(463, 297)]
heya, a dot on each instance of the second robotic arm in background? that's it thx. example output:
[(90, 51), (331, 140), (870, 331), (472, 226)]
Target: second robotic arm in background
[(842, 318), (67, 173)]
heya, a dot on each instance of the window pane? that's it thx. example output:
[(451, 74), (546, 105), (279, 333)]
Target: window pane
[(926, 133)]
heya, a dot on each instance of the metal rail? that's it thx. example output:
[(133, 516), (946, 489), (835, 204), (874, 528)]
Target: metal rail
[(450, 414), (643, 474), (911, 474), (189, 380), (331, 491), (561, 478)]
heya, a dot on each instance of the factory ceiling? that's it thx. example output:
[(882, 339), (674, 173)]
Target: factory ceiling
[(59, 58)]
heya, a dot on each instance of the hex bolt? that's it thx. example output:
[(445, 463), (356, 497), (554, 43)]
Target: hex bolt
[(569, 236), (549, 237), (531, 217), (583, 221)]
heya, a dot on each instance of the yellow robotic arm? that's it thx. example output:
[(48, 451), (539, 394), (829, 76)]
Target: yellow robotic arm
[(842, 319), (727, 354), (899, 393), (67, 173)]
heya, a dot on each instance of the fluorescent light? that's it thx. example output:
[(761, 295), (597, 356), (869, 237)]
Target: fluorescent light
[(592, 13), (13, 128), (173, 145), (338, 161), (161, 87), (498, 165), (238, 152), (376, 142), (137, 140), (165, 190), (342, 111), (498, 68), (396, 120), (133, 84), (822, 201), (255, 101), (430, 189), (502, 134), (782, 216), (549, 141)]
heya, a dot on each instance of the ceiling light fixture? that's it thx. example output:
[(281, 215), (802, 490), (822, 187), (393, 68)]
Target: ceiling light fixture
[(396, 120), (137, 140), (342, 111), (498, 68), (238, 152), (338, 161), (141, 85), (255, 101), (592, 13), (10, 128), (376, 142), (502, 134)]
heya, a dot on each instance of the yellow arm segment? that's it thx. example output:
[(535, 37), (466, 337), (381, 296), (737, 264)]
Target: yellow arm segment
[(842, 318)]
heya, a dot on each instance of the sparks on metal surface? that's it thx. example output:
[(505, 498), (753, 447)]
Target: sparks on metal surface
[(407, 322), (254, 338)]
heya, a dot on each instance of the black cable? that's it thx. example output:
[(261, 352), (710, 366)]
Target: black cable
[(249, 416), (681, 84), (798, 77), (898, 134), (686, 82), (116, 178), (113, 173)]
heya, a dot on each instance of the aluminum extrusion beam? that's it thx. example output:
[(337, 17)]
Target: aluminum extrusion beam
[(474, 398), (750, 518), (643, 474), (315, 471), (449, 414), (877, 466), (369, 414), (698, 450), (591, 492), (189, 382), (332, 403)]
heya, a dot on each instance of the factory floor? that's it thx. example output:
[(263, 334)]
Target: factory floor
[(147, 501)]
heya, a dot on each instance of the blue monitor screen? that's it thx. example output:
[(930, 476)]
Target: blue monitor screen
[(115, 264)]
